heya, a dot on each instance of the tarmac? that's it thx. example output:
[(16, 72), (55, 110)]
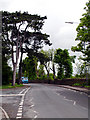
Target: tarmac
[(85, 90)]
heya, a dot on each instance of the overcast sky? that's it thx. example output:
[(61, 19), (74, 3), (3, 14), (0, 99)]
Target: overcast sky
[(62, 35)]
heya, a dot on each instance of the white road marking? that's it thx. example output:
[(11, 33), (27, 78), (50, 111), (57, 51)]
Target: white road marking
[(19, 108), (8, 95), (19, 113), (32, 106), (22, 91), (68, 99), (6, 115), (18, 117), (57, 94), (74, 103), (35, 116)]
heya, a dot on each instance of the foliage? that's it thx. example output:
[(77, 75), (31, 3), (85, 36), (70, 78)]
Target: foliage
[(30, 67), (83, 35), (51, 76), (41, 72), (16, 32), (6, 71), (77, 84), (64, 62)]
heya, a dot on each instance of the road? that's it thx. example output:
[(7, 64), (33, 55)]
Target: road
[(45, 101)]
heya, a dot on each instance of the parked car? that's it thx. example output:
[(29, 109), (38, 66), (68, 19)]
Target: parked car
[(24, 79)]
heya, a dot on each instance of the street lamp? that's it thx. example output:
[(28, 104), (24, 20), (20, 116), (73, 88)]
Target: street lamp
[(72, 22)]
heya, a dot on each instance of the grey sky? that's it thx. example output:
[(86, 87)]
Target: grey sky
[(62, 35)]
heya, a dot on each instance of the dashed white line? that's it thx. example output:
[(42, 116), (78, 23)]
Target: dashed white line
[(19, 113), (74, 103), (35, 116), (68, 99), (18, 117), (32, 106)]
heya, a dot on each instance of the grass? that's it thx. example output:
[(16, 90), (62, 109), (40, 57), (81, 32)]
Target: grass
[(10, 86), (81, 85)]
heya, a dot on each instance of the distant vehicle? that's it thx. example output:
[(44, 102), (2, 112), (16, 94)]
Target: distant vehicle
[(24, 79)]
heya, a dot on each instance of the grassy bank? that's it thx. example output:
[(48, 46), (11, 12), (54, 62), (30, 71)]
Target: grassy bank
[(10, 86)]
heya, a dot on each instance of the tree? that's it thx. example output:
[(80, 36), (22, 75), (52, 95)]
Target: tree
[(16, 30), (41, 71), (64, 62), (83, 35), (6, 69), (45, 60), (51, 55), (30, 67)]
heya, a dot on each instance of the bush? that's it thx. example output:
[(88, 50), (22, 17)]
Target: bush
[(77, 84), (51, 76)]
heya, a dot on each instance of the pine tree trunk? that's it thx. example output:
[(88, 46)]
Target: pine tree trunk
[(53, 71), (20, 68), (14, 75)]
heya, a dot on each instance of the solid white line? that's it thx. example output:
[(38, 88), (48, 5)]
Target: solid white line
[(22, 91), (6, 115), (7, 95), (26, 91)]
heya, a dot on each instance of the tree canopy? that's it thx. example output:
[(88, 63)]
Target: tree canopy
[(20, 30), (83, 35), (63, 59)]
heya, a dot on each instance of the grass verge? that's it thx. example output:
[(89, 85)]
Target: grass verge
[(10, 86)]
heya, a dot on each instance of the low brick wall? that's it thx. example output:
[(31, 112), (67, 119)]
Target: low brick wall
[(60, 82)]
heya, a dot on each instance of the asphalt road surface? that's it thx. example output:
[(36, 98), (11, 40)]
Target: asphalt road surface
[(45, 101)]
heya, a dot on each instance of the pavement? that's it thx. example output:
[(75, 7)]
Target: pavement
[(80, 89), (85, 90)]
